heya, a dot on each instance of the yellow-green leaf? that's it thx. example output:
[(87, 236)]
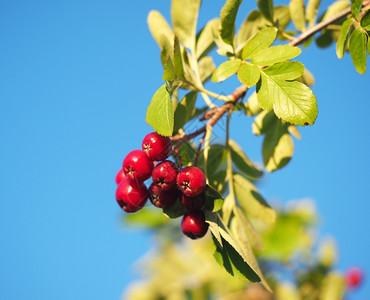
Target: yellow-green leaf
[(357, 49), (261, 40), (226, 69), (311, 11), (275, 54), (227, 17), (248, 74), (160, 29), (206, 40), (297, 12), (344, 34)]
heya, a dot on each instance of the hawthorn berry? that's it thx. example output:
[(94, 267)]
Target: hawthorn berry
[(156, 146), (161, 198), (131, 195), (137, 166), (194, 224), (120, 176), (164, 175), (191, 181), (354, 277), (193, 203)]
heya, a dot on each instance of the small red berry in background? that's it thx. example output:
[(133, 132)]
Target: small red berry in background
[(131, 195), (193, 203), (191, 181), (161, 198), (156, 146), (164, 175), (354, 277), (194, 225), (137, 166), (120, 176)]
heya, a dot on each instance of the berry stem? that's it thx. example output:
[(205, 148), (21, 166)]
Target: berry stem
[(199, 149)]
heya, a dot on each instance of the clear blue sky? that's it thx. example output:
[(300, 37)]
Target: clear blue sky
[(75, 80)]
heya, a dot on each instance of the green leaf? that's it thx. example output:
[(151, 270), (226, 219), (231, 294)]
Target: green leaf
[(213, 221), (365, 21), (251, 201), (292, 101), (297, 13), (184, 14), (251, 106), (251, 25), (277, 148), (356, 7), (357, 49), (275, 54), (242, 162), (264, 122), (160, 29), (267, 9), (282, 16), (335, 8), (344, 34), (175, 210), (227, 17), (205, 39), (206, 68), (307, 78), (261, 40), (325, 39), (368, 45), (226, 69), (311, 11), (184, 110), (333, 287), (169, 71), (288, 70), (214, 200), (248, 74), (149, 218), (160, 114), (177, 60)]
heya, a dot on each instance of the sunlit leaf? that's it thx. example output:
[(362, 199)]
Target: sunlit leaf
[(206, 68), (356, 7), (335, 8), (264, 122), (311, 11), (227, 18), (297, 14), (365, 21), (333, 287), (146, 218), (214, 200), (205, 40), (267, 9), (275, 54), (357, 49), (251, 106), (287, 70), (261, 40), (160, 29), (184, 110), (177, 59), (307, 78), (249, 28), (248, 74), (345, 32), (226, 69)]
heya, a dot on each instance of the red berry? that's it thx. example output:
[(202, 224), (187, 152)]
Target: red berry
[(131, 195), (194, 224), (120, 176), (156, 146), (164, 175), (137, 166), (161, 198), (191, 181), (354, 277), (193, 203)]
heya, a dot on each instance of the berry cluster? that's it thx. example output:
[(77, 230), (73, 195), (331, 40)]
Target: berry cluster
[(169, 184)]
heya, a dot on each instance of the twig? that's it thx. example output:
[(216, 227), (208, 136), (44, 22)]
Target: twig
[(199, 148)]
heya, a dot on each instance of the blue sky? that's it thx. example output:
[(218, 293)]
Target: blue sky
[(75, 80)]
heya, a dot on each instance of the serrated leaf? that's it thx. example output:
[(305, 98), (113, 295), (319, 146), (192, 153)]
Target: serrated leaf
[(357, 49), (263, 122), (251, 201), (205, 40), (160, 114), (184, 110), (184, 14), (227, 20), (292, 101), (206, 68), (356, 7), (297, 14), (214, 200), (287, 70), (335, 8), (149, 218), (365, 21), (174, 211), (226, 69), (267, 9), (277, 148), (160, 29), (248, 74), (343, 37), (311, 11), (177, 60), (261, 40), (242, 162), (275, 54), (251, 106)]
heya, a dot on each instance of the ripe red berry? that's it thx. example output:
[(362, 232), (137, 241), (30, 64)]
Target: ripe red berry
[(161, 198), (164, 175), (131, 195), (193, 203), (120, 176), (156, 146), (354, 277), (137, 166), (191, 181), (194, 224)]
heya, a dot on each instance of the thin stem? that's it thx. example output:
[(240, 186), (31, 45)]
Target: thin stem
[(199, 148), (212, 94)]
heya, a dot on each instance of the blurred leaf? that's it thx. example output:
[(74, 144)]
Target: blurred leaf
[(297, 13), (275, 54), (205, 40), (328, 253), (335, 8), (226, 69), (294, 131), (307, 78), (175, 210), (267, 9), (248, 74), (213, 221), (333, 287), (282, 16), (187, 152), (357, 49), (251, 201), (184, 110), (206, 68), (160, 30), (169, 71), (214, 200), (249, 28), (160, 112), (311, 11), (365, 21), (325, 39), (264, 122), (242, 162), (177, 60), (184, 15), (342, 42), (286, 292), (227, 18), (147, 217), (261, 40), (287, 70), (251, 106), (356, 7)]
